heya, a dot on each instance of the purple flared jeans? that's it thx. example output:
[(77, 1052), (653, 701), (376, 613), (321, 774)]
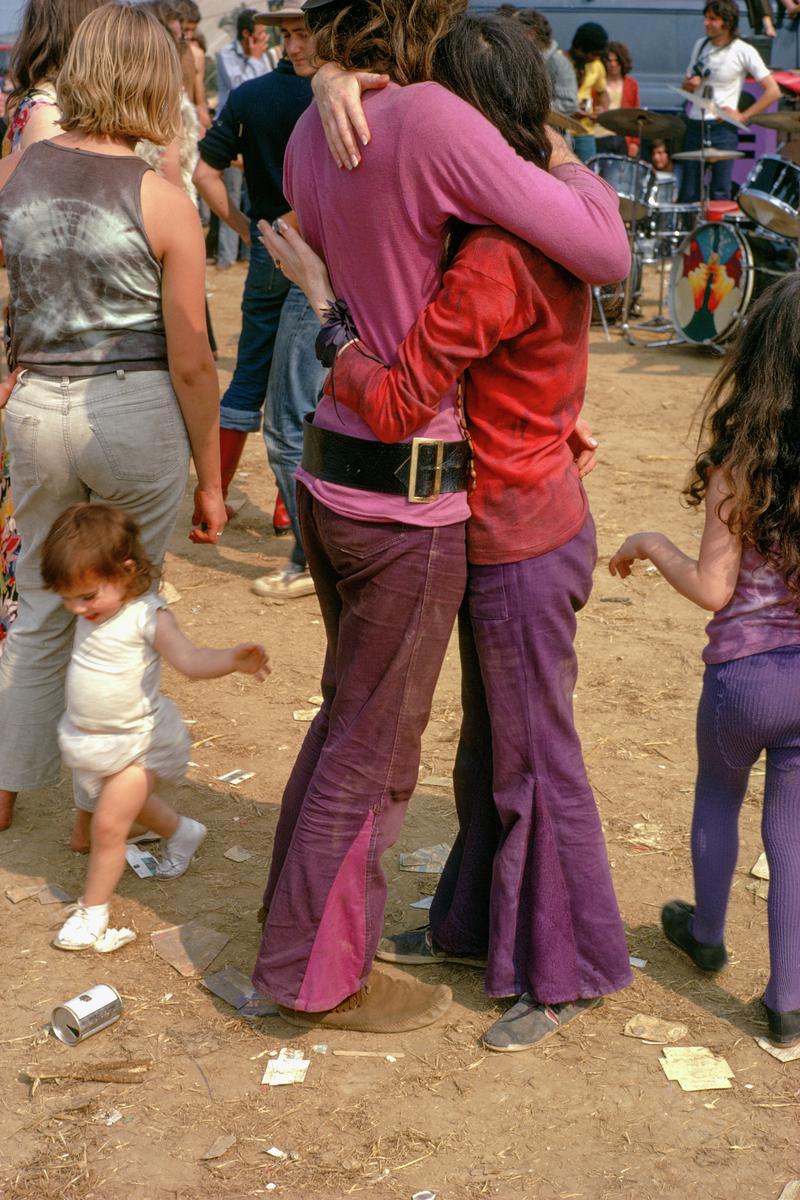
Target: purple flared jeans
[(528, 879), (389, 595)]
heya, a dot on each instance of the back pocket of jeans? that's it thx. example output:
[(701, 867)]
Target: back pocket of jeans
[(141, 441)]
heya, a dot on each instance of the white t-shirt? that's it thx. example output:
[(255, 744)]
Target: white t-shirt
[(729, 65), (114, 675)]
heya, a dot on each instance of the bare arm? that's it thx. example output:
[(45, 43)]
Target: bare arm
[(708, 580), (173, 227), (201, 662), (169, 166), (770, 95), (211, 185)]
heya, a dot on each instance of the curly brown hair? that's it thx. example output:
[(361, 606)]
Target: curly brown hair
[(96, 540), (623, 54), (751, 431), (397, 37)]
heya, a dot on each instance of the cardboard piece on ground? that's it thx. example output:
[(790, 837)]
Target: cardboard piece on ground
[(22, 891), (288, 1067), (233, 986), (189, 948), (425, 902), (653, 1029), (782, 1053), (759, 888), (304, 714), (234, 778), (219, 1146), (695, 1068), (760, 868), (238, 854), (791, 1190), (428, 860), (52, 893), (141, 862)]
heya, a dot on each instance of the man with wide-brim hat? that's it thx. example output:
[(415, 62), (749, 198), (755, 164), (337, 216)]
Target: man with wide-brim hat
[(276, 367)]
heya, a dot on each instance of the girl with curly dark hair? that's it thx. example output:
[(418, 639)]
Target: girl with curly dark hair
[(748, 574)]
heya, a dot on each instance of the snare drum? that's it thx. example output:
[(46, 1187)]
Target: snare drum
[(771, 195), (631, 179), (716, 274), (664, 189)]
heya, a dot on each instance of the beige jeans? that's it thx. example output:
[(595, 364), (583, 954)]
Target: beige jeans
[(116, 438)]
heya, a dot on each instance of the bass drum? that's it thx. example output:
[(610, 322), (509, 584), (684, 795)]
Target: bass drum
[(717, 272)]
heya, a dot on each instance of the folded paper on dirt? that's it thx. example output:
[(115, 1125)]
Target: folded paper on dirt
[(189, 948), (428, 860), (695, 1068)]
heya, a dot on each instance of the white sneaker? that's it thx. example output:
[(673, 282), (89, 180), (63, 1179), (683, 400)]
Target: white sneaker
[(180, 848), (83, 928), (285, 584)]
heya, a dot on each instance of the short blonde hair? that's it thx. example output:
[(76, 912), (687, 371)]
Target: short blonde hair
[(121, 77)]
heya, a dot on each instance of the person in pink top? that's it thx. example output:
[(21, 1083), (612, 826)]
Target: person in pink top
[(384, 522), (748, 573)]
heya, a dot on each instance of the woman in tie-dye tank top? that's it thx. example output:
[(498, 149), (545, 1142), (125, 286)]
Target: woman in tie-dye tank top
[(748, 574)]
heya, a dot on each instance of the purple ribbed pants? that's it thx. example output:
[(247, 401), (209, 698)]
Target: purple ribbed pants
[(389, 595), (528, 876)]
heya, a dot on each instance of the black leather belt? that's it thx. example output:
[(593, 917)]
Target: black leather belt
[(420, 470)]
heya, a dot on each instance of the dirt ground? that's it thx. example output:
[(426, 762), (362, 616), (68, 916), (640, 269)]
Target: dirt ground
[(591, 1114)]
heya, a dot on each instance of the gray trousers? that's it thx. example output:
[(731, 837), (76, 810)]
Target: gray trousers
[(116, 438)]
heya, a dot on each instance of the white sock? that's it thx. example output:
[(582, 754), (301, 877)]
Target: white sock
[(179, 850)]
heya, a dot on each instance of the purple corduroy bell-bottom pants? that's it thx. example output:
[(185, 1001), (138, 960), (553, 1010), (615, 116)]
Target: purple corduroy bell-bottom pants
[(389, 595), (528, 879)]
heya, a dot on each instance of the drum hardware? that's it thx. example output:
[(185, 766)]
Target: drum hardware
[(771, 195), (784, 122), (564, 123), (707, 104), (709, 154), (641, 123)]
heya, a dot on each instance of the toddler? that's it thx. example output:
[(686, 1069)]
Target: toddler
[(748, 574), (119, 734)]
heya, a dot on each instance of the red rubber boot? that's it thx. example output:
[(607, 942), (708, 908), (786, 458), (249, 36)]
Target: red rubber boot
[(280, 518), (231, 445)]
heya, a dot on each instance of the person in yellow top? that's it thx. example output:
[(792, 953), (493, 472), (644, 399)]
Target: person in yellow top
[(589, 43)]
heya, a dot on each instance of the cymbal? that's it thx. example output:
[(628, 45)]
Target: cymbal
[(641, 122), (788, 122), (709, 154), (562, 121), (709, 106)]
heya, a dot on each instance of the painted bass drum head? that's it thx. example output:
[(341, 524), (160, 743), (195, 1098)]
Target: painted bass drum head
[(711, 283)]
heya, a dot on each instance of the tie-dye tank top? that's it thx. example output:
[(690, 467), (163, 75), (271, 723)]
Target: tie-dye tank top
[(85, 285), (761, 614)]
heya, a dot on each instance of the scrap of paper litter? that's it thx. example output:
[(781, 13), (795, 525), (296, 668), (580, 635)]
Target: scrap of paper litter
[(189, 948), (782, 1053), (425, 902), (443, 781), (641, 963), (760, 868), (234, 778), (141, 862), (304, 714), (791, 1190), (238, 854), (288, 1067), (220, 1146), (52, 893), (428, 860), (695, 1068), (653, 1029), (22, 891), (233, 986)]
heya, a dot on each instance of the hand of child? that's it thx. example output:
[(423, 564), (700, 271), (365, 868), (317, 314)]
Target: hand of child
[(631, 549), (251, 659)]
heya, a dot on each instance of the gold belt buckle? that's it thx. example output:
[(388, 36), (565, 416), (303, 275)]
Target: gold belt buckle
[(412, 496)]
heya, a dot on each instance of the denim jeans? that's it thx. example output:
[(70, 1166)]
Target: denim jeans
[(295, 381), (227, 238), (389, 594), (722, 137), (115, 438), (265, 290), (528, 878)]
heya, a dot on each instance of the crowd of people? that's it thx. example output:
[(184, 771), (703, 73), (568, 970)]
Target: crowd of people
[(420, 355)]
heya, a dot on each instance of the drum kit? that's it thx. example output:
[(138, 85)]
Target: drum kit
[(717, 267)]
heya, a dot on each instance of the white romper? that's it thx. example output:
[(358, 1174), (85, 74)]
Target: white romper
[(115, 713)]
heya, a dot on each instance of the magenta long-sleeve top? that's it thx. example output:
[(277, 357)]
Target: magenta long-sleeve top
[(380, 229)]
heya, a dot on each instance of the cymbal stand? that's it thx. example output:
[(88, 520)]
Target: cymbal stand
[(627, 294)]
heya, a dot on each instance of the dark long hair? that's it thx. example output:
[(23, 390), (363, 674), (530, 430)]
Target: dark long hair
[(48, 27), (396, 36), (751, 430), (492, 64)]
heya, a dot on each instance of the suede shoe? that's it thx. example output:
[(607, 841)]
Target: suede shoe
[(675, 918), (416, 947), (389, 1002), (784, 1027), (527, 1024)]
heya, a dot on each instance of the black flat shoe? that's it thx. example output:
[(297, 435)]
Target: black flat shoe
[(784, 1027), (675, 923)]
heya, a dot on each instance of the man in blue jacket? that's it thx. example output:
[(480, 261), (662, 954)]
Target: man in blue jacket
[(275, 360)]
